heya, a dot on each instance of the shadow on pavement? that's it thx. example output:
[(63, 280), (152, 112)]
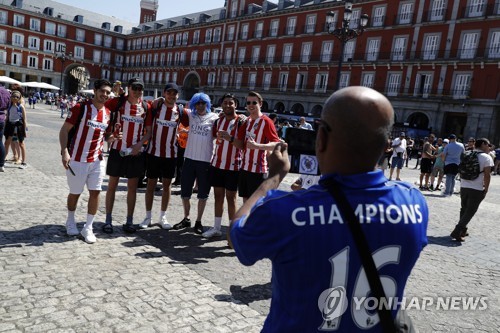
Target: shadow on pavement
[(247, 295), (35, 236), (184, 246), (443, 241)]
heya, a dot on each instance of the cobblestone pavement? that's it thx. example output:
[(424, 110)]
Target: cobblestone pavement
[(159, 281)]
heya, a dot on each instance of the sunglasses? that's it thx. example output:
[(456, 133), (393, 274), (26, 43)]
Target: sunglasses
[(252, 102), (137, 88)]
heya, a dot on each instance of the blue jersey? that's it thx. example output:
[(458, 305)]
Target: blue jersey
[(318, 282)]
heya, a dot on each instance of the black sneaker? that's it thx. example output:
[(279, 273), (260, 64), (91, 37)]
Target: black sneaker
[(457, 234), (198, 228), (129, 228), (185, 223)]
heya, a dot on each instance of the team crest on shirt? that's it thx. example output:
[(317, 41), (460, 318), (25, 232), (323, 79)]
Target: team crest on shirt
[(255, 125), (308, 165), (231, 126)]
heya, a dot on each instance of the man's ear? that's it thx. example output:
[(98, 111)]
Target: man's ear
[(321, 139)]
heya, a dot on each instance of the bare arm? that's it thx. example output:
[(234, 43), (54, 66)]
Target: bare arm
[(487, 178), (63, 142)]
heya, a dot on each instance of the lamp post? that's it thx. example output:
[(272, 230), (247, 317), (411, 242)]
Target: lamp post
[(344, 33), (63, 57)]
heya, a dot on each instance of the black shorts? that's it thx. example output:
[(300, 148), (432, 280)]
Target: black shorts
[(451, 169), (157, 167), (126, 166), (425, 165), (227, 179), (16, 127), (248, 182)]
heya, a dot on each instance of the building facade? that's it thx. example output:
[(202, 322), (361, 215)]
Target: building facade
[(438, 61)]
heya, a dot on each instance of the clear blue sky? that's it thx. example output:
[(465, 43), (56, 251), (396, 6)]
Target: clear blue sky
[(129, 10)]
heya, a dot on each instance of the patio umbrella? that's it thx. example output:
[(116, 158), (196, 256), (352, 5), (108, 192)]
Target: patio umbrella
[(8, 80), (41, 85)]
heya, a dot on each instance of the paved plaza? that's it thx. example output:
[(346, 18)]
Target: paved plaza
[(176, 281)]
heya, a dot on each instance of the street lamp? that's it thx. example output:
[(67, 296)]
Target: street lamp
[(63, 57), (344, 33)]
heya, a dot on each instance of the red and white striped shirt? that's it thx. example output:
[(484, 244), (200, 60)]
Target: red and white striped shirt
[(162, 142), (262, 130), (89, 136), (226, 156), (131, 118)]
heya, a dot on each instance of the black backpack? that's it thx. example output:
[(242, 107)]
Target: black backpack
[(469, 167)]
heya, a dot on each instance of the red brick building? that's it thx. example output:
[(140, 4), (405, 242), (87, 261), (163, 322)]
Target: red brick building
[(437, 60)]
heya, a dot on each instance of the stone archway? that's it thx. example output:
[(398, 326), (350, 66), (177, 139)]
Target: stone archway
[(76, 78), (279, 107), (418, 120), (297, 109), (316, 111), (191, 85)]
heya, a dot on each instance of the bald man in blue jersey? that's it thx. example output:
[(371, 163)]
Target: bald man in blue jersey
[(313, 255)]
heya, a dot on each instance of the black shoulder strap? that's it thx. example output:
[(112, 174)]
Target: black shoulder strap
[(386, 320)]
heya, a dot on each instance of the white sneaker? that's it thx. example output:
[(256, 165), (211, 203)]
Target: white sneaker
[(2, 169), (146, 223), (71, 228), (88, 235), (212, 232), (164, 223)]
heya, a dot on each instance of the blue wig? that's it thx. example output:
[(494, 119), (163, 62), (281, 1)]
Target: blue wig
[(200, 97)]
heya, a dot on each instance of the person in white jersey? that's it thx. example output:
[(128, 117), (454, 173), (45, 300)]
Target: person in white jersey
[(197, 157)]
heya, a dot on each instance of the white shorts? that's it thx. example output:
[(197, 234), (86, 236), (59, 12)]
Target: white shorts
[(90, 174)]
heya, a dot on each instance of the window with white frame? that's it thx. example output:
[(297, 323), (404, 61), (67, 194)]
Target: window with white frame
[(3, 17), (177, 57), (378, 16), (194, 58), (393, 84), (305, 53), (461, 86), (185, 38), (301, 82), (160, 77), (494, 48), (469, 45), (237, 80), (3, 36), (169, 58), (163, 57), (16, 59), (50, 28), (32, 62), (79, 52), (259, 27), (476, 8), (34, 24), (326, 51), (368, 80), (167, 77), (18, 40), (178, 39), (97, 39), (423, 84), (244, 31), (373, 48), (171, 40), (174, 77), (130, 46), (344, 80), (252, 78), (147, 43), (33, 43), (227, 57), (266, 81), (108, 41), (241, 55), (290, 26), (270, 54), (273, 29), (138, 43), (349, 50), (196, 37), (3, 57), (321, 82), (156, 42), (61, 30), (155, 59), (211, 79), (80, 35), (153, 77), (230, 33), (18, 20), (287, 53), (60, 47), (405, 13), (217, 34), (215, 57), (118, 60), (106, 57), (48, 64), (147, 77), (255, 54), (96, 57), (310, 24), (163, 41), (355, 17), (119, 44), (283, 81), (225, 79), (438, 10), (208, 36), (105, 73), (206, 57), (399, 48), (431, 47)]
